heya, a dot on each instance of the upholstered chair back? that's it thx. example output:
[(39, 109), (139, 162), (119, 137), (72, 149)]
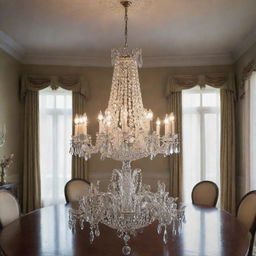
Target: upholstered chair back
[(9, 208), (246, 214), (205, 193), (76, 188)]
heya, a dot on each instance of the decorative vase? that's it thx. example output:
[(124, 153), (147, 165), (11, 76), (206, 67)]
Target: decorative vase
[(3, 176)]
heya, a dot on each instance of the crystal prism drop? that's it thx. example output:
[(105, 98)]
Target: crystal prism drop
[(126, 250), (159, 228), (91, 236), (126, 238), (165, 236), (97, 232)]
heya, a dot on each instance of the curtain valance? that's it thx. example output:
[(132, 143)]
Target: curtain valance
[(247, 71), (177, 83), (35, 83)]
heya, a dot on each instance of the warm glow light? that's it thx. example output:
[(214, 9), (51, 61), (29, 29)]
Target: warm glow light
[(171, 117), (100, 116), (150, 115), (158, 122), (76, 120)]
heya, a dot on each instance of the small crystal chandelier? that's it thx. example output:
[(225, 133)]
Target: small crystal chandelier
[(126, 133)]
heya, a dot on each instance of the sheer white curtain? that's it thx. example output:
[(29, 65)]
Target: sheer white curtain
[(55, 107), (201, 137), (253, 131), (248, 138)]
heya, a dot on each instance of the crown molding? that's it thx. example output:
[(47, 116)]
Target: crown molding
[(11, 46), (244, 45), (188, 60), (63, 60), (17, 51), (166, 61)]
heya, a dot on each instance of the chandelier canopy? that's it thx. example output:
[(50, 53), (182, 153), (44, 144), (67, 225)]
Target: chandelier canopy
[(126, 133)]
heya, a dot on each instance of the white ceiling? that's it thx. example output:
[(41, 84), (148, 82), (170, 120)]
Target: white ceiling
[(84, 31)]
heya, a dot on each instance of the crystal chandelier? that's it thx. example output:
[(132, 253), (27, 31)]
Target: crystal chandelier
[(126, 133)]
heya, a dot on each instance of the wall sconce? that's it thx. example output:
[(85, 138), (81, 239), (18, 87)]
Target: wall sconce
[(2, 134)]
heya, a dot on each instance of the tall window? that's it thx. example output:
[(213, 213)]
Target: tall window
[(253, 131), (201, 137), (55, 130), (248, 134)]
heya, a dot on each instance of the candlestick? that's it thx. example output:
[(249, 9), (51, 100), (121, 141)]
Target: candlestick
[(84, 123), (166, 125), (76, 124), (100, 118), (149, 116), (158, 123), (172, 123)]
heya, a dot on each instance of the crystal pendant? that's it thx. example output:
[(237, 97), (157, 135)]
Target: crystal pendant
[(165, 236), (91, 237), (159, 228), (126, 250)]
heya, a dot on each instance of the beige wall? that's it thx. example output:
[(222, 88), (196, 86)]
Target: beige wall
[(10, 113), (153, 82), (240, 64)]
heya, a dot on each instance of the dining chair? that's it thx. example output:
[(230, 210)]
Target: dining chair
[(246, 214), (9, 210), (205, 193), (75, 188)]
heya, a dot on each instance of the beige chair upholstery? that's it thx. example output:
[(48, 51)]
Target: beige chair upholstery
[(76, 188), (246, 214), (9, 208), (205, 193)]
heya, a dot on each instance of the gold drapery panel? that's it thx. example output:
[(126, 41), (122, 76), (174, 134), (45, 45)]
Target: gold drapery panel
[(247, 71), (175, 161), (79, 165), (37, 83), (227, 152), (31, 189), (30, 85), (177, 83), (225, 82)]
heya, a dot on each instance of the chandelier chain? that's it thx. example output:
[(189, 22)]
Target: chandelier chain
[(126, 27)]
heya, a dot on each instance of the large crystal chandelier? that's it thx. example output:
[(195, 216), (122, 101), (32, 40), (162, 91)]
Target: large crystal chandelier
[(126, 133)]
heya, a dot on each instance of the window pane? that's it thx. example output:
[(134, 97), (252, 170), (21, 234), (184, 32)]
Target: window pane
[(69, 101), (49, 101), (212, 145), (191, 152), (55, 132), (60, 101), (201, 137), (209, 99), (253, 131), (191, 98)]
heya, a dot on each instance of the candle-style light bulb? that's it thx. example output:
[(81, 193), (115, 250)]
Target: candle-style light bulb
[(100, 116), (150, 115)]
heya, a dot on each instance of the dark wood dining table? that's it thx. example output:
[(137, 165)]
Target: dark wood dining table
[(207, 232)]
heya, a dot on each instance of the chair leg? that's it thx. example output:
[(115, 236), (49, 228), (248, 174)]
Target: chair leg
[(251, 247)]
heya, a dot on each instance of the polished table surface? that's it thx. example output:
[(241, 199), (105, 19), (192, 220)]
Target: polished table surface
[(207, 232)]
